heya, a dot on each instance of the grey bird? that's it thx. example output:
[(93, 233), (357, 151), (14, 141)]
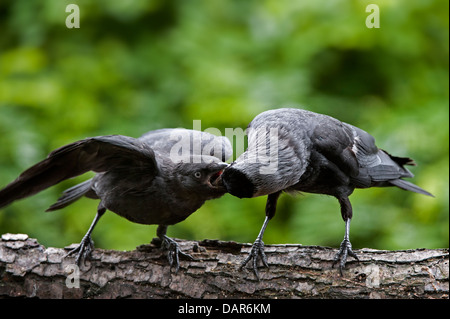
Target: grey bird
[(160, 178), (295, 150)]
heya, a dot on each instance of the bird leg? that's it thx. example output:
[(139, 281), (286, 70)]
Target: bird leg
[(258, 245), (86, 245), (172, 247), (345, 249), (257, 251)]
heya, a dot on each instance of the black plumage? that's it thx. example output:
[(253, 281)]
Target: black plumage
[(297, 150), (160, 178)]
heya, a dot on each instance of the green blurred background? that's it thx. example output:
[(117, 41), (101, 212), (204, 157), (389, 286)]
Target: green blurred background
[(135, 66)]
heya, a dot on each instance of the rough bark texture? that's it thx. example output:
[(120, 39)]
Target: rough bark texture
[(27, 269)]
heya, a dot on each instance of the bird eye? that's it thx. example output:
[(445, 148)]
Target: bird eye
[(197, 174)]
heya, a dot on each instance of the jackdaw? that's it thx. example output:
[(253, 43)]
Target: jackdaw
[(160, 178), (294, 150)]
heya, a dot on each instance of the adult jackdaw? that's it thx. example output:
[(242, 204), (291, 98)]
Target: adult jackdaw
[(297, 150), (160, 178)]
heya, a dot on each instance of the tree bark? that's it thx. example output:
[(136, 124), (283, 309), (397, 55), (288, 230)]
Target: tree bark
[(27, 269)]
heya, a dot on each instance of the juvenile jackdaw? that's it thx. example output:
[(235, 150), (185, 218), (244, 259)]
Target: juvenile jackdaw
[(160, 178), (296, 150)]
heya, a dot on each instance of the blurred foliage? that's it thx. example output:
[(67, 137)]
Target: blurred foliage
[(137, 65)]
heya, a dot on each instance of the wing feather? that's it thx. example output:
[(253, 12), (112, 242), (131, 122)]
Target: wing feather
[(97, 154)]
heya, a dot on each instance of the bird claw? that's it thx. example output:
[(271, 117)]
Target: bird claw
[(173, 252), (83, 250), (257, 251), (341, 256)]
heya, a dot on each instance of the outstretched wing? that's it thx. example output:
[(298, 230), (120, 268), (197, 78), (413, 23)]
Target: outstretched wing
[(98, 154), (184, 142)]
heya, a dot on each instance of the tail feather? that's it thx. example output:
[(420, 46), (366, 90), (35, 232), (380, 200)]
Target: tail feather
[(71, 195), (401, 160), (409, 186), (391, 167)]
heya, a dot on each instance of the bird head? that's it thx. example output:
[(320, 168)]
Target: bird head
[(201, 175)]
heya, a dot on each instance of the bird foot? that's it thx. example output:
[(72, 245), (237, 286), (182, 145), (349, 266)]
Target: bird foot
[(173, 252), (257, 251), (341, 256), (83, 250)]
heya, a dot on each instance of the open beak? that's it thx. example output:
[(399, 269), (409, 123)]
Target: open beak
[(215, 179)]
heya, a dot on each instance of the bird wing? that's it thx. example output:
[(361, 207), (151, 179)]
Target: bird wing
[(98, 154), (355, 153), (186, 142), (379, 164), (335, 141)]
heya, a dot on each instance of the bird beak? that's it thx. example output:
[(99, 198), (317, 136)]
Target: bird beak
[(215, 179)]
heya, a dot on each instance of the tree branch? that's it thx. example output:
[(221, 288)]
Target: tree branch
[(27, 269)]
